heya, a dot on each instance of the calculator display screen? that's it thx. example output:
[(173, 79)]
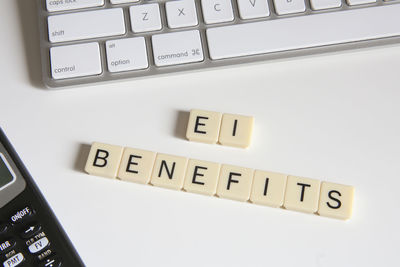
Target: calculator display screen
[(6, 176)]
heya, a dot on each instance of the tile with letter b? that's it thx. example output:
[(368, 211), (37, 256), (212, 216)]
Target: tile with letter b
[(202, 177), (236, 130), (136, 165), (235, 182), (104, 160), (203, 126), (336, 200), (169, 171), (302, 194), (268, 188)]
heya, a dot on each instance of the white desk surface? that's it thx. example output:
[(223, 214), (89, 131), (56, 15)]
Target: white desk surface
[(331, 117)]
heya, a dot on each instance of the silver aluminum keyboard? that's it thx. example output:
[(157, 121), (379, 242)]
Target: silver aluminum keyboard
[(89, 41)]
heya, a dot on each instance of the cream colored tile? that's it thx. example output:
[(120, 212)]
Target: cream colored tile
[(336, 200), (236, 130), (104, 160), (235, 182), (202, 177), (302, 194), (136, 165), (169, 171), (203, 126), (268, 188)]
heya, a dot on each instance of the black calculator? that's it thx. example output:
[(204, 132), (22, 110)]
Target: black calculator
[(30, 234)]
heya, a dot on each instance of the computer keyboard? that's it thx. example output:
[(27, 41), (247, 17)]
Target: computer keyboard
[(88, 41)]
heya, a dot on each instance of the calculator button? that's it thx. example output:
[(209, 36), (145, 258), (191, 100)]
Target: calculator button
[(51, 262), (39, 245), (30, 230), (14, 260), (21, 215), (3, 228), (6, 245)]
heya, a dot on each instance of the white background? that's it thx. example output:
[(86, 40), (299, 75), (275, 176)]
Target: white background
[(332, 117)]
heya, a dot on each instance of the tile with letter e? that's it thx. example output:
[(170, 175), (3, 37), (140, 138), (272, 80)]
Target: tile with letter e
[(302, 194), (104, 160), (169, 171), (136, 165), (336, 200), (235, 182), (236, 130), (268, 188), (202, 177), (203, 126)]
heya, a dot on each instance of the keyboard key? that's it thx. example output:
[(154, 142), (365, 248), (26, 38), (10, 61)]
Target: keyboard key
[(3, 228), (236, 130), (39, 245), (115, 2), (251, 9), (283, 7), (325, 4), (181, 13), (268, 188), (75, 60), (145, 18), (359, 2), (75, 26), (202, 177), (169, 49), (21, 215), (169, 171), (216, 11), (14, 260), (235, 182), (54, 261), (30, 230), (203, 126), (302, 194), (126, 54), (6, 245), (301, 32), (336, 201), (57, 5)]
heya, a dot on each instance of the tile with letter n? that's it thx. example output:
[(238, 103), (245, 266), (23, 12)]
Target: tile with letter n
[(202, 177), (336, 200), (236, 130), (104, 160), (136, 165), (235, 182), (302, 194), (203, 126), (169, 171), (268, 188)]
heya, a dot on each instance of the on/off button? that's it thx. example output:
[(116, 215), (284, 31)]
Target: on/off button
[(21, 215)]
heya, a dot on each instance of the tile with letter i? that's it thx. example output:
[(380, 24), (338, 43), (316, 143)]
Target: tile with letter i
[(136, 165), (302, 194), (268, 188), (235, 182), (202, 177), (169, 171), (336, 201), (236, 130), (104, 160), (203, 126)]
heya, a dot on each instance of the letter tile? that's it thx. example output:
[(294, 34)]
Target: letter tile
[(336, 200), (202, 177), (136, 165), (203, 126), (236, 130), (169, 171), (302, 194), (235, 182), (104, 160), (268, 188)]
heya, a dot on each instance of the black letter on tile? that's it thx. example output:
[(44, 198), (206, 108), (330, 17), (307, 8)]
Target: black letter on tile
[(266, 186), (232, 181), (164, 164), (104, 158), (195, 174), (130, 162), (234, 127), (303, 186), (339, 204), (196, 130)]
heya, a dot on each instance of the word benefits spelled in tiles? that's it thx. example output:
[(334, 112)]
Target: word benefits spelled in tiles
[(212, 127), (225, 181)]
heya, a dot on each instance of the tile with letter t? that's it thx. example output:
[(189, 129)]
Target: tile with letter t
[(235, 182), (203, 126), (236, 130), (268, 188), (136, 165), (202, 177), (336, 200), (169, 171), (104, 160), (302, 194)]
